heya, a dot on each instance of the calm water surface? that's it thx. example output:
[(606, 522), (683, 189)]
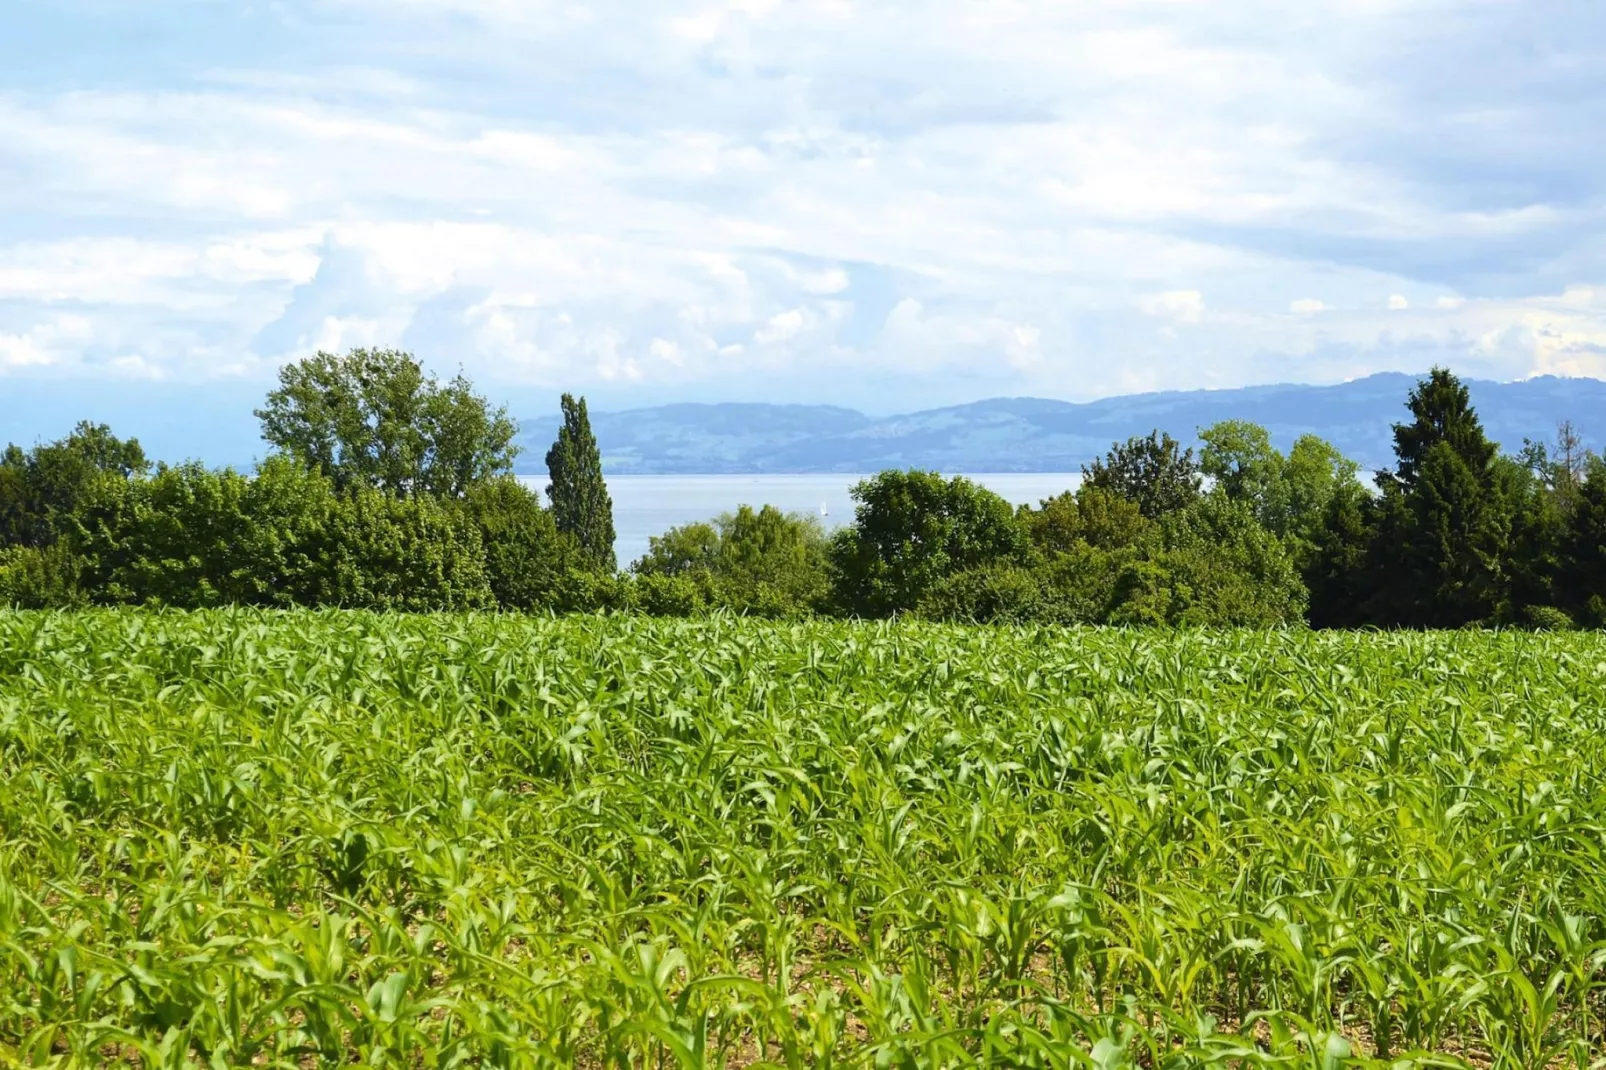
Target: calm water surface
[(644, 506)]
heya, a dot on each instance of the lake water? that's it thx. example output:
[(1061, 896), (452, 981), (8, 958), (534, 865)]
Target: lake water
[(644, 506)]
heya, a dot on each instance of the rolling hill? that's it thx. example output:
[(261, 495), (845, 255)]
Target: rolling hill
[(1040, 435)]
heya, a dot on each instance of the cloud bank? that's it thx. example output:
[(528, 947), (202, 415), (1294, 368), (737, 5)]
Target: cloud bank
[(884, 205)]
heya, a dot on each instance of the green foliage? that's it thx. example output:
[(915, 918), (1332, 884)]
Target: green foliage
[(1442, 415), (992, 594), (1314, 474), (410, 554), (1288, 495), (1440, 550), (1547, 619), (662, 595), (587, 590), (1583, 553), (386, 494), (1091, 516), (1533, 569), (687, 550), (374, 418), (1055, 526), (1154, 472), (34, 578), (40, 488), (1239, 457), (759, 561), (236, 838), (578, 493), (1338, 560), (191, 537), (1211, 564), (1560, 467), (913, 529), (525, 556)]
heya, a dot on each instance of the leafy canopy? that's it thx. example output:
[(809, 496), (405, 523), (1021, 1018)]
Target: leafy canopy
[(1153, 472), (912, 529), (760, 561), (41, 487), (374, 418)]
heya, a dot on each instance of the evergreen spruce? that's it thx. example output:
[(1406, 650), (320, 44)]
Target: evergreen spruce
[(1336, 566), (579, 495), (1441, 546), (1584, 550)]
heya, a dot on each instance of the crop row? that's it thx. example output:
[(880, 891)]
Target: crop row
[(240, 837)]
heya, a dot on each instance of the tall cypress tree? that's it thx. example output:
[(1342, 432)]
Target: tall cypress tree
[(579, 495), (1444, 532)]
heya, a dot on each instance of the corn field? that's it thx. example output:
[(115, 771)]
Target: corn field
[(317, 838)]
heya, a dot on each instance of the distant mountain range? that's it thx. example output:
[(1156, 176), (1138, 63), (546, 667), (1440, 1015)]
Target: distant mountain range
[(1038, 435)]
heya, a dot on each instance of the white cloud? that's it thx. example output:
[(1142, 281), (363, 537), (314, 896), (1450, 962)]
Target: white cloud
[(781, 327), (1184, 306), (831, 281), (44, 343), (704, 196), (665, 350)]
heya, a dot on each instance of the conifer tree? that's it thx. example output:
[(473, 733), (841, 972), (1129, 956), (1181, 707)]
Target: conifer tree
[(1440, 551), (579, 495), (1584, 549)]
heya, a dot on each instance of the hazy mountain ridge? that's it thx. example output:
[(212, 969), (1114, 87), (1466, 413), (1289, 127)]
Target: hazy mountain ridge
[(1043, 435)]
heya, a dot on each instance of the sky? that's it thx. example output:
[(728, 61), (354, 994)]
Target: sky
[(886, 205)]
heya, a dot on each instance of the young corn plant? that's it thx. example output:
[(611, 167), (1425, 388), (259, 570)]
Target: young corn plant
[(316, 838)]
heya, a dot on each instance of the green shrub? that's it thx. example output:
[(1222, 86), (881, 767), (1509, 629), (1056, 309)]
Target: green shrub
[(583, 590), (756, 562), (386, 552), (526, 557), (993, 594), (1547, 619), (913, 529), (193, 537), (32, 578), (1211, 564), (669, 596)]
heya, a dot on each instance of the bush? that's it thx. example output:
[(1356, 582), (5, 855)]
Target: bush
[(582, 590), (41, 488), (1080, 586), (1547, 619), (668, 596), (1001, 594), (526, 558), (32, 578), (759, 562), (1211, 564), (911, 530), (411, 554), (190, 537)]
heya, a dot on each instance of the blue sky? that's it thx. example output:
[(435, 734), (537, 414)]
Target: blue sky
[(885, 205)]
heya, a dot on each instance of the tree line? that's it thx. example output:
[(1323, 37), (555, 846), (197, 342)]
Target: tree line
[(389, 489)]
